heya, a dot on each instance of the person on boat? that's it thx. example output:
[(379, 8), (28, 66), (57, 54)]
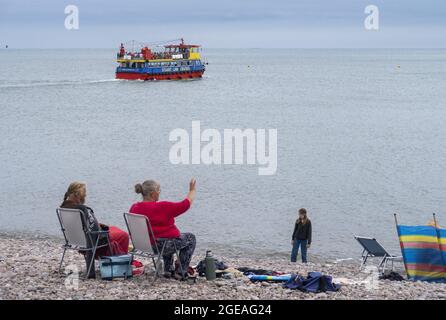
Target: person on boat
[(119, 240), (162, 216), (301, 236), (122, 50)]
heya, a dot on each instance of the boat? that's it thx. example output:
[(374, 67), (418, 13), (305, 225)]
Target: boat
[(162, 62)]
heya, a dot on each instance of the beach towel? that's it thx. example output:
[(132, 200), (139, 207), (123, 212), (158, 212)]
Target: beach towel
[(315, 282), (254, 277), (249, 271)]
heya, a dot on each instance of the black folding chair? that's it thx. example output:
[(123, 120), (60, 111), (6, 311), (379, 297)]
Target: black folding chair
[(372, 249)]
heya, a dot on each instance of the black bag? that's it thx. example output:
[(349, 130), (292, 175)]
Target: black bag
[(393, 276)]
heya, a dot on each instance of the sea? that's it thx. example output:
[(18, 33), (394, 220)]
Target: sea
[(361, 136)]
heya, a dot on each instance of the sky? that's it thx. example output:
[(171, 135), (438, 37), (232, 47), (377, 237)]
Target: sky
[(225, 24)]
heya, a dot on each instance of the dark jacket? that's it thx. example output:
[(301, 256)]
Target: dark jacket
[(89, 221), (302, 231), (89, 217)]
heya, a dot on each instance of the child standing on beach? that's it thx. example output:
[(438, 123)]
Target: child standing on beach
[(301, 236)]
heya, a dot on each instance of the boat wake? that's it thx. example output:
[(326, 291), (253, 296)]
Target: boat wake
[(33, 84)]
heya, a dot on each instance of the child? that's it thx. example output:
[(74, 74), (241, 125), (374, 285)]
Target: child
[(301, 236)]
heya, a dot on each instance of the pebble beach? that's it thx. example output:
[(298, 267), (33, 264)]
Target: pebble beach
[(28, 270)]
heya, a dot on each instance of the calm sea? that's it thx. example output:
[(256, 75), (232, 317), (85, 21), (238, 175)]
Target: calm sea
[(361, 135)]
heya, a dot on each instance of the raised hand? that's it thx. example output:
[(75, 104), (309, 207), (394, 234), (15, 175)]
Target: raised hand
[(192, 190), (192, 184)]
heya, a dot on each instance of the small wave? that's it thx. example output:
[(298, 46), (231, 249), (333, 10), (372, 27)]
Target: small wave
[(103, 81), (55, 83), (343, 259)]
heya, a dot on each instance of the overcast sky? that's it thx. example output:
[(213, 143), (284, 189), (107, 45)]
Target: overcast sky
[(225, 23)]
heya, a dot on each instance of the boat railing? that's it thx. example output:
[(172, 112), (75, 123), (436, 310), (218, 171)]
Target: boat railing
[(155, 56)]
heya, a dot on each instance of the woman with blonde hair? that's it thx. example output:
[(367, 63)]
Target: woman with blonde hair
[(301, 236), (119, 240)]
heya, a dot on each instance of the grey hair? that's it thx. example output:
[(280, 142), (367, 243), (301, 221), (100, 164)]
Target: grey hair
[(147, 187)]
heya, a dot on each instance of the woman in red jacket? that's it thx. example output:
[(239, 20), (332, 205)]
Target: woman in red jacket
[(162, 216)]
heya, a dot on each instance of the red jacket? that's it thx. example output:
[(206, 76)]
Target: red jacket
[(162, 215)]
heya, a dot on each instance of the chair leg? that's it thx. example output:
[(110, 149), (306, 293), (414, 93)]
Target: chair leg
[(179, 260), (154, 262), (93, 257), (382, 263), (364, 260), (384, 266), (157, 263), (63, 256), (110, 249)]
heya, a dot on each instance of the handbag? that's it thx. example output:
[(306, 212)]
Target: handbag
[(116, 267)]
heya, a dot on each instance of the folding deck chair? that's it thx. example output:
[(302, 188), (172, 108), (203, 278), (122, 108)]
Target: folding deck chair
[(72, 222), (372, 248), (141, 232)]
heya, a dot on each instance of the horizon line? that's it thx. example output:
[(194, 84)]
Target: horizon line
[(240, 48)]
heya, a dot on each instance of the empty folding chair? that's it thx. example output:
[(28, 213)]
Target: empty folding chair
[(72, 222), (372, 248), (142, 236)]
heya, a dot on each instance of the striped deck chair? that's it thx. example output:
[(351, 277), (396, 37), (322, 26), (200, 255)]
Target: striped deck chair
[(424, 252)]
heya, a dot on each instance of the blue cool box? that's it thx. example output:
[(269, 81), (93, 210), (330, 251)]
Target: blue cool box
[(116, 267)]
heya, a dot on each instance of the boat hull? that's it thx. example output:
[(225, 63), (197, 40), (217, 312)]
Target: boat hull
[(170, 76)]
